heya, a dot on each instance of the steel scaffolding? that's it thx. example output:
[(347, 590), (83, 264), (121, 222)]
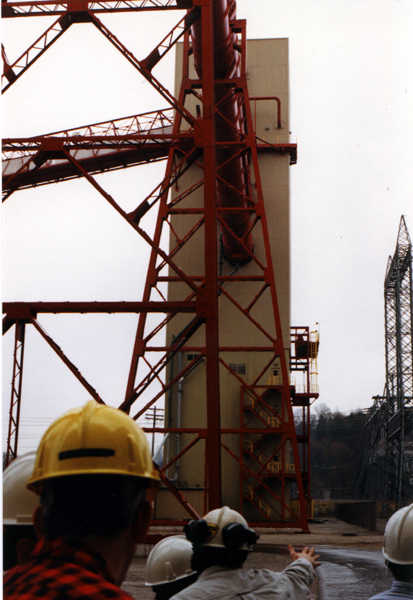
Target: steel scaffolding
[(390, 427), (224, 154)]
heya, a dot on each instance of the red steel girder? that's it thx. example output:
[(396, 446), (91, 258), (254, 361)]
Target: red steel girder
[(213, 457), (77, 143), (97, 155), (301, 351), (51, 7), (287, 405), (300, 521), (78, 12), (16, 392), (43, 160), (161, 364), (202, 292), (130, 218), (94, 394), (276, 347), (14, 309), (209, 285), (153, 270), (181, 499), (33, 53)]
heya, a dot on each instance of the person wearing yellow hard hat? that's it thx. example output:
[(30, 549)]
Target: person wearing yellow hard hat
[(398, 554), (221, 542), (96, 481), (19, 537)]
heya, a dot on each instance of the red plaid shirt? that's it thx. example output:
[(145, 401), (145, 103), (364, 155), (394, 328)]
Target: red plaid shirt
[(58, 570)]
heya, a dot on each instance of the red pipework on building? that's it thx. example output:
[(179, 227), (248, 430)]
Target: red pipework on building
[(231, 168)]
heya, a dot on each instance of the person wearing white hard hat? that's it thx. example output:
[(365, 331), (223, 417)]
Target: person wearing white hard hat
[(96, 481), (19, 537), (168, 568), (221, 543), (398, 554)]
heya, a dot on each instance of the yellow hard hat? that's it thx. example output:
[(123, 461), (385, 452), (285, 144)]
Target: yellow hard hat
[(94, 439)]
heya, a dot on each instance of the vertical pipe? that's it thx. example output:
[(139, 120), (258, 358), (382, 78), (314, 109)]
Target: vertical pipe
[(170, 395), (283, 471), (211, 261), (205, 476), (178, 416), (232, 186), (221, 255)]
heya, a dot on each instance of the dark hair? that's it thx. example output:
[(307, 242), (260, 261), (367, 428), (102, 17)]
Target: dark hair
[(164, 591), (88, 505), (401, 572), (210, 556), (12, 534)]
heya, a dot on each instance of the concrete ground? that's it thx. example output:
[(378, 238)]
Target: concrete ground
[(352, 564), (355, 574)]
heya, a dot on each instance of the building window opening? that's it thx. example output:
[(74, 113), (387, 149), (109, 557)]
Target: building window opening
[(238, 368)]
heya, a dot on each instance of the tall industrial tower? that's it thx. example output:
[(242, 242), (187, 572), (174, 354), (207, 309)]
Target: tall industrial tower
[(209, 335), (390, 433)]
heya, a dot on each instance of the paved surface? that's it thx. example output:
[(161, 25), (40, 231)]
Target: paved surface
[(352, 563), (348, 574)]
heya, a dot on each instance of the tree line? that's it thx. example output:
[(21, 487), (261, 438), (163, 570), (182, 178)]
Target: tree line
[(337, 447)]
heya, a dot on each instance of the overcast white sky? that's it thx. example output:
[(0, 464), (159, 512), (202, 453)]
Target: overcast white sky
[(351, 69)]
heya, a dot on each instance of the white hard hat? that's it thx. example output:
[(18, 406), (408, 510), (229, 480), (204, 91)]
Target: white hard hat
[(169, 561), (18, 502), (398, 537), (222, 517), (222, 528)]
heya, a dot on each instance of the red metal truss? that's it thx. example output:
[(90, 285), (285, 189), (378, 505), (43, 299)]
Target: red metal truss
[(16, 391), (230, 205), (304, 351), (51, 7), (78, 12), (98, 148)]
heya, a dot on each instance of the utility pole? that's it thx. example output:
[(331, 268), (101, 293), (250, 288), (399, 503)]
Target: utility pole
[(154, 414)]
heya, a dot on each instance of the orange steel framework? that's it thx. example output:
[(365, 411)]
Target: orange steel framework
[(303, 358), (220, 139)]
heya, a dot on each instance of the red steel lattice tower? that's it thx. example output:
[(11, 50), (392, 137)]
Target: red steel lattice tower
[(207, 130)]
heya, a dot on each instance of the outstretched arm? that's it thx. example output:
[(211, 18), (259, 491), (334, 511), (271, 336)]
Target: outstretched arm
[(306, 553), (295, 580)]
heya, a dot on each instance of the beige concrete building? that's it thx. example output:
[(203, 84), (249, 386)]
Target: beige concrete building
[(268, 77)]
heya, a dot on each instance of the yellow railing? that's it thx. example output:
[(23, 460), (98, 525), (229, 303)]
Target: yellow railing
[(248, 445), (271, 420), (314, 342), (249, 401), (295, 507), (277, 380), (249, 493), (274, 467)]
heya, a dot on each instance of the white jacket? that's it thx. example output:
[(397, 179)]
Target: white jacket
[(252, 584)]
